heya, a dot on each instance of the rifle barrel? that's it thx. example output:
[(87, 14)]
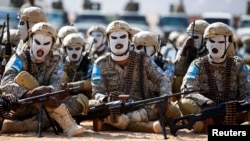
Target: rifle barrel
[(44, 96)]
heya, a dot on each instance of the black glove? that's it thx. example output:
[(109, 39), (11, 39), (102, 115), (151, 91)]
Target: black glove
[(189, 43), (38, 91)]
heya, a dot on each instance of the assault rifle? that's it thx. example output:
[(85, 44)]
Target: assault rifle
[(104, 110), (1, 43), (159, 57), (82, 69), (215, 112), (8, 50), (191, 51), (5, 106)]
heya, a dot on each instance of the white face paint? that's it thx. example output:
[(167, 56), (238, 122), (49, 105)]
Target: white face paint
[(99, 37), (217, 47), (23, 29), (119, 45), (40, 46), (150, 50), (74, 53)]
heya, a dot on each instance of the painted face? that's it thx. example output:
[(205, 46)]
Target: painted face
[(119, 42), (100, 39), (40, 46), (217, 47), (23, 28), (150, 50), (74, 53)]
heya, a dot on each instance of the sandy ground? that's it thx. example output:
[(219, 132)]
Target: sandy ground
[(90, 135)]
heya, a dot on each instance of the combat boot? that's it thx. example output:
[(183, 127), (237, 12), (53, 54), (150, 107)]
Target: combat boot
[(63, 118), (147, 127), (16, 126)]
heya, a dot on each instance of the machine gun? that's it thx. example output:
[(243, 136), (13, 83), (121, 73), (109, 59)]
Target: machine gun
[(82, 69), (215, 112), (104, 110), (7, 104)]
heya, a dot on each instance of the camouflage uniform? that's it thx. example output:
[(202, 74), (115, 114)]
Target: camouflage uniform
[(197, 79), (108, 77)]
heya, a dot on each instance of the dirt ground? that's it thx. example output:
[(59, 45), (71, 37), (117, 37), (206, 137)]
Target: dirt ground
[(90, 135)]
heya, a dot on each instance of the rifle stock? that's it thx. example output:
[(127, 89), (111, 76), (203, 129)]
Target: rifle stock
[(217, 111)]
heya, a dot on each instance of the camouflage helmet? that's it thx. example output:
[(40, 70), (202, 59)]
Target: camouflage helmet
[(44, 28), (119, 25), (65, 30), (99, 28), (32, 14), (146, 38), (14, 37), (74, 39), (217, 28), (198, 27)]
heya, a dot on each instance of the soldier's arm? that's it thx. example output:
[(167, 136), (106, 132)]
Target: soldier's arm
[(157, 76), (8, 85), (190, 82), (244, 82)]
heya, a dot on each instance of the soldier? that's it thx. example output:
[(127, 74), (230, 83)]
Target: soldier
[(195, 42), (14, 40), (36, 61), (97, 33), (119, 72), (73, 75), (218, 77), (146, 41), (27, 18), (61, 34)]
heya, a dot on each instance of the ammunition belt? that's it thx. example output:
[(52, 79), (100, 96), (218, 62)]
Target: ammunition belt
[(128, 86), (214, 93), (141, 75), (231, 114)]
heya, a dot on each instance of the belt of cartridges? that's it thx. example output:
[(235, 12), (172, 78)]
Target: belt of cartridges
[(128, 86), (141, 76), (215, 95)]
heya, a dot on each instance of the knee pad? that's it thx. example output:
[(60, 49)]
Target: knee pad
[(138, 115), (83, 100), (188, 106), (172, 110)]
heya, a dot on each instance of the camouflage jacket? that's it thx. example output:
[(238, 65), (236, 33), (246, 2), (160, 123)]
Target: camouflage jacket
[(46, 73), (197, 78), (108, 77)]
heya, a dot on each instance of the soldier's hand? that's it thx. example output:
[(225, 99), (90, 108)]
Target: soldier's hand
[(38, 91), (188, 44)]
